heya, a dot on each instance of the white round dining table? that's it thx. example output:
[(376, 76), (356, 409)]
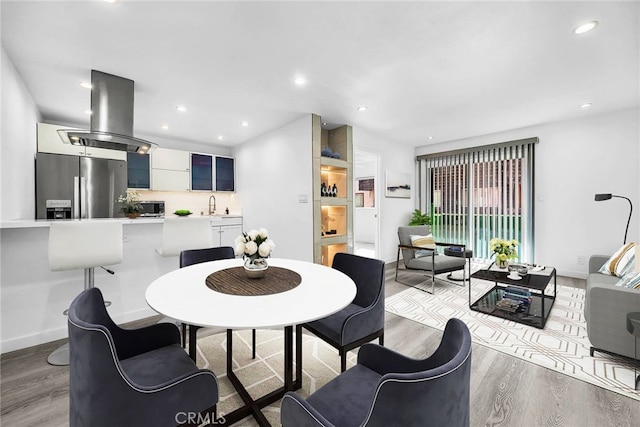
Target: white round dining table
[(184, 295)]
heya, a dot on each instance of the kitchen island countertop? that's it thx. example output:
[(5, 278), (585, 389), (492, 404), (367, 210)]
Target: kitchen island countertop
[(37, 223)]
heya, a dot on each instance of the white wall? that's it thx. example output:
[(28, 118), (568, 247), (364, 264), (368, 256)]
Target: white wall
[(394, 212), (272, 171), (17, 144), (576, 159)]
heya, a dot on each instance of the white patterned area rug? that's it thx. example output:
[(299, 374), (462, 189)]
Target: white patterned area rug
[(562, 345)]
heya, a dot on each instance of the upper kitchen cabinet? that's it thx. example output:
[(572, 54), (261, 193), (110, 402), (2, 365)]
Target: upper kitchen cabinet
[(138, 171), (201, 172), (49, 142), (170, 170), (225, 174)]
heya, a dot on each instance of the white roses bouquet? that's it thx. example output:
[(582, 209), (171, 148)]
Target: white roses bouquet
[(254, 244)]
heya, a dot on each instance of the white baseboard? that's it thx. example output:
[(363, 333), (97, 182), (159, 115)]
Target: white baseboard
[(43, 337)]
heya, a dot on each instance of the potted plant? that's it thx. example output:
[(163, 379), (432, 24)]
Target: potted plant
[(504, 250), (419, 218), (255, 247), (130, 204)]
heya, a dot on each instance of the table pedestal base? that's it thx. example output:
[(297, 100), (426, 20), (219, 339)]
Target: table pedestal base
[(251, 406)]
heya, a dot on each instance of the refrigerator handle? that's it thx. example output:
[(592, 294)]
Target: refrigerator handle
[(83, 197), (76, 197)]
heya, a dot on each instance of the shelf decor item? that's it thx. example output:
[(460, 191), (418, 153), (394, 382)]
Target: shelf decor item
[(504, 250), (255, 247), (130, 204)]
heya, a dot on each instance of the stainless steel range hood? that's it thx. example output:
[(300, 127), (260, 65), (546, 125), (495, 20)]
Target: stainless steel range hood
[(111, 117)]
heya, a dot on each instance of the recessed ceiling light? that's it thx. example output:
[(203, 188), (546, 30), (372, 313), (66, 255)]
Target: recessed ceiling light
[(165, 127), (88, 112), (181, 108), (86, 85), (362, 108), (300, 81), (585, 105), (585, 27), (429, 138), (324, 123), (244, 124), (220, 137), (110, 1)]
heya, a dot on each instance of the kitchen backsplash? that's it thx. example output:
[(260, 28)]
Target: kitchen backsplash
[(196, 202)]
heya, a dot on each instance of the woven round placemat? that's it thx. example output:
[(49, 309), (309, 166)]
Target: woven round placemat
[(234, 281)]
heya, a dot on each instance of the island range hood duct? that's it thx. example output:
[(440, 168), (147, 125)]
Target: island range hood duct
[(111, 117)]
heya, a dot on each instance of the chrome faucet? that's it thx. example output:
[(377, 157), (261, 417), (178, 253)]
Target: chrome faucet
[(211, 212)]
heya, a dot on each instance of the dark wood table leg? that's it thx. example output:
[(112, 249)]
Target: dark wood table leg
[(193, 341)]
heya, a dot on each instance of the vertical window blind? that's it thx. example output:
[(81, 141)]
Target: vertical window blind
[(477, 194)]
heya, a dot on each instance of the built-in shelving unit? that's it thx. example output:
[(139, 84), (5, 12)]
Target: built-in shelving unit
[(333, 212)]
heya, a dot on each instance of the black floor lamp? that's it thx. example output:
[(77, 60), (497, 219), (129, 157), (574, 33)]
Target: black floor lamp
[(601, 197)]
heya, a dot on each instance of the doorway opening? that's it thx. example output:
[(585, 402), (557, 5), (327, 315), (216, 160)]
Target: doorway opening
[(366, 204)]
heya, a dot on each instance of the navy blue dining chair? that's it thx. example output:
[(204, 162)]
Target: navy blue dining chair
[(127, 377), (361, 321), (386, 388)]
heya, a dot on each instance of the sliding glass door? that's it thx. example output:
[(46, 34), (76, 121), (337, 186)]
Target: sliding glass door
[(478, 194)]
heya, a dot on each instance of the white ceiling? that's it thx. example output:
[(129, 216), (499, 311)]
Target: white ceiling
[(444, 69)]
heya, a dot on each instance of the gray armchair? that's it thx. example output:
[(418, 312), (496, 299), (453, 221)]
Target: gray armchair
[(362, 320), (386, 389), (433, 262), (127, 377)]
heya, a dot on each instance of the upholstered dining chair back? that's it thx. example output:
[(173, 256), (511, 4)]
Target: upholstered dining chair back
[(120, 377), (368, 275), (386, 388), (197, 256), (76, 245), (179, 234)]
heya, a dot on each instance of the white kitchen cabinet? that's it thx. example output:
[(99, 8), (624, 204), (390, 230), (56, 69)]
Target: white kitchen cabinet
[(170, 159), (228, 234), (49, 142), (170, 170), (169, 180), (224, 230)]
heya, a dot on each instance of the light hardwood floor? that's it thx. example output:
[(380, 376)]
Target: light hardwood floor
[(505, 391)]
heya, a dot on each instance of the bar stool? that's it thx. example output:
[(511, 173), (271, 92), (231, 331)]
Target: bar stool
[(184, 234), (84, 245), (633, 327)]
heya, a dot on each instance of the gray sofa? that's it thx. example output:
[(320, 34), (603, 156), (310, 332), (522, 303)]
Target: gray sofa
[(605, 310)]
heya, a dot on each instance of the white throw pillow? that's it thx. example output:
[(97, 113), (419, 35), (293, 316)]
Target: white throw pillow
[(621, 262), (427, 242)]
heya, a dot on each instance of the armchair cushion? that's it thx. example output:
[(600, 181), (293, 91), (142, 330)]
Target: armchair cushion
[(143, 368), (440, 263)]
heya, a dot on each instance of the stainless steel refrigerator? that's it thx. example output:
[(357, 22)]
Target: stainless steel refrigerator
[(72, 187)]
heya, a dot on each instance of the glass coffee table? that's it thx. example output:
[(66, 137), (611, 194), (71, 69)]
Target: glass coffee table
[(524, 300)]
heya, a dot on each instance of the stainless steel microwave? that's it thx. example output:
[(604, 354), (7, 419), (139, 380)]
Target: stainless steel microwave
[(151, 208)]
